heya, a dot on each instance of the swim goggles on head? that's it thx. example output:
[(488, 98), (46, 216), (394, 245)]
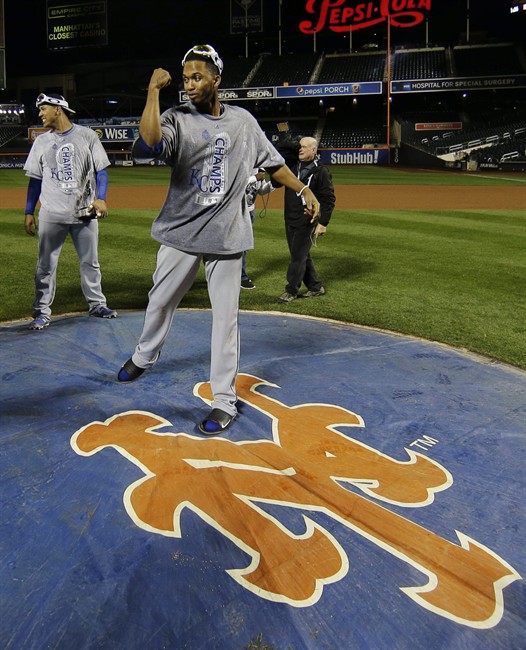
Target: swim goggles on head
[(206, 51), (53, 101)]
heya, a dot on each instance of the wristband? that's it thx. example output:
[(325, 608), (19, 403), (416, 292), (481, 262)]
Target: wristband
[(302, 190)]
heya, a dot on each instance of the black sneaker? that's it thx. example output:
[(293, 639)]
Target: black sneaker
[(216, 422), (247, 284), (129, 372)]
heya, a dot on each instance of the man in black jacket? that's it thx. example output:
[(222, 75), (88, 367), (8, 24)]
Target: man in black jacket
[(300, 229)]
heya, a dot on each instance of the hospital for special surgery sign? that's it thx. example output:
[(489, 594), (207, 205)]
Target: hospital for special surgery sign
[(76, 24)]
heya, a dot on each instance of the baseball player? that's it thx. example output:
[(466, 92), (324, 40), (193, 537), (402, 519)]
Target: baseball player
[(212, 149), (67, 173)]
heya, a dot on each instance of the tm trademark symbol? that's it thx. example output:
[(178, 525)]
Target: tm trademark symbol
[(424, 443)]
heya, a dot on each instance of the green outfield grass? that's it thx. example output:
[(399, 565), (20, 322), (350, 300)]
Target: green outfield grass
[(456, 277)]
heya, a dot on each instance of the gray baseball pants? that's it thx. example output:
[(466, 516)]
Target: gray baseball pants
[(173, 277), (51, 238)]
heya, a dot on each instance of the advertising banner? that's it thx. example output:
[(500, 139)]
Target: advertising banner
[(116, 133), (354, 156), (226, 94), (331, 90), (105, 133), (76, 23), (342, 16), (12, 162), (459, 84), (246, 16), (278, 92), (438, 126), (35, 131)]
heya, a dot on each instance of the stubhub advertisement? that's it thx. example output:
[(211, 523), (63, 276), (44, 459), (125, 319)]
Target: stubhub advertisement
[(354, 156)]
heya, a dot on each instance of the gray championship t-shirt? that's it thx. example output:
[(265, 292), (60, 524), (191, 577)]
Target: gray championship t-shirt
[(212, 158), (68, 164)]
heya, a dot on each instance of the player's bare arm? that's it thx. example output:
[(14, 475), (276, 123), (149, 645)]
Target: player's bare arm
[(284, 176), (30, 225), (150, 126), (100, 208)]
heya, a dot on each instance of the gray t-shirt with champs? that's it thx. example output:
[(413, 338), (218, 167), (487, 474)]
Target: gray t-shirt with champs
[(212, 158), (67, 163)]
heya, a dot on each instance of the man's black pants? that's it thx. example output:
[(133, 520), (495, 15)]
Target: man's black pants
[(301, 267)]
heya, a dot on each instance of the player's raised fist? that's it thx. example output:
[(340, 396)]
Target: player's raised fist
[(160, 78)]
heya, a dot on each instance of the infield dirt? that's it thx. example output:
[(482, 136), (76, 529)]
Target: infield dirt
[(348, 197)]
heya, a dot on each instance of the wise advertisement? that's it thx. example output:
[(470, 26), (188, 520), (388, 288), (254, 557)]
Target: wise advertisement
[(104, 133), (116, 133)]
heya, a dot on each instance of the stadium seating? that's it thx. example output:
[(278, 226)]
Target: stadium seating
[(237, 71), (353, 67), (484, 60), (340, 132), (288, 69), (419, 64), (490, 141), (510, 149), (108, 92)]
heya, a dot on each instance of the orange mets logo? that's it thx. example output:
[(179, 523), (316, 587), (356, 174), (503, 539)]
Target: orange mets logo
[(310, 466)]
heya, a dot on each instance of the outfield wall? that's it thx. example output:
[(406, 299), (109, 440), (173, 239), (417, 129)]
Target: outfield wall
[(412, 157), (117, 141), (123, 158)]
